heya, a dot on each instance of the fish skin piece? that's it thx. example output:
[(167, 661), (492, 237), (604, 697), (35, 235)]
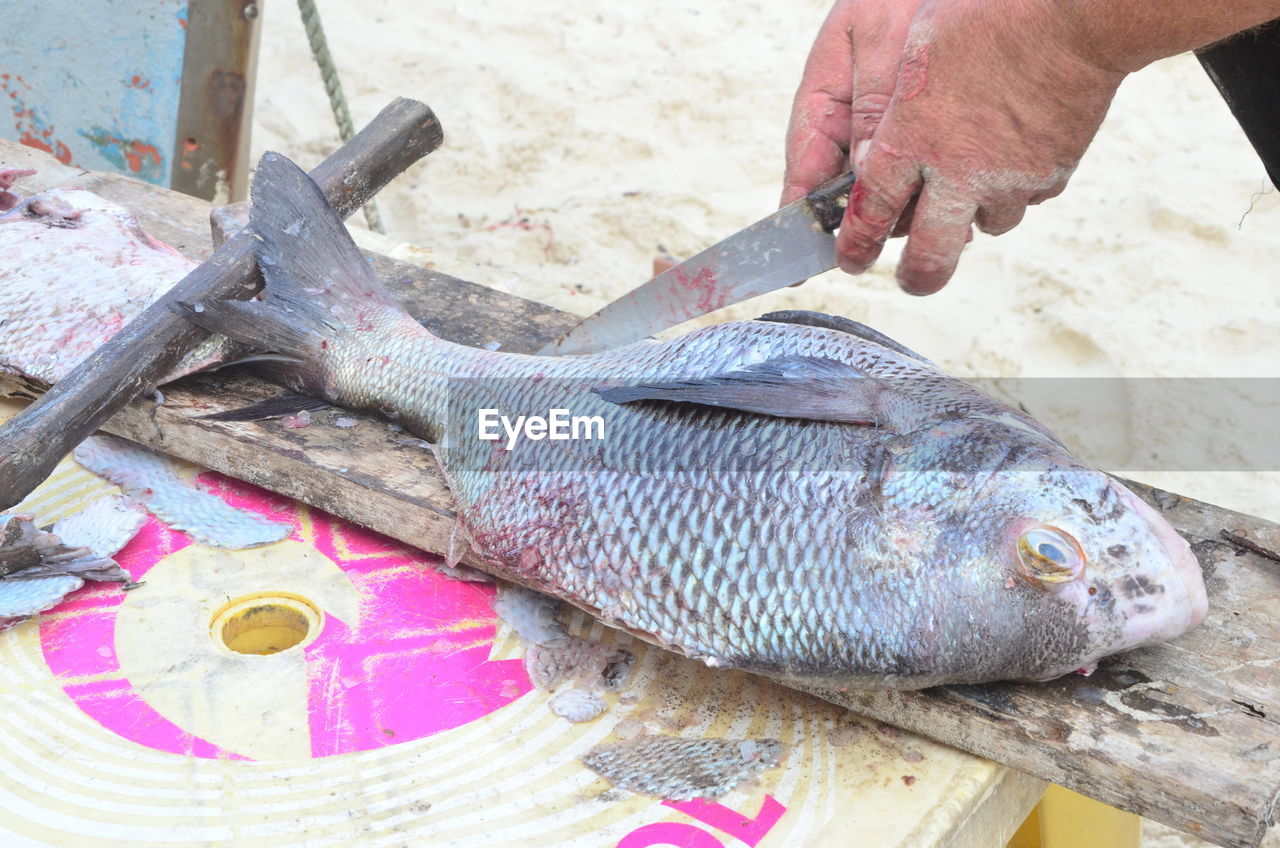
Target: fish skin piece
[(577, 705), (104, 525), (679, 769), (21, 598), (959, 544), (105, 270), (151, 481), (29, 553)]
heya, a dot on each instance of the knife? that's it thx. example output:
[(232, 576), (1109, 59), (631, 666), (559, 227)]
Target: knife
[(788, 247)]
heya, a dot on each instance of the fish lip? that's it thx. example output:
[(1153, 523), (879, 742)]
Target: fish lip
[(1185, 564)]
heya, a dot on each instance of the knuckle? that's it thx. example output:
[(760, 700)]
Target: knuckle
[(873, 206), (872, 104), (998, 220), (866, 113)]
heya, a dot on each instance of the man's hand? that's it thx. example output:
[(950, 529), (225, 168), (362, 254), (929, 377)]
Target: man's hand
[(955, 112), (848, 82)]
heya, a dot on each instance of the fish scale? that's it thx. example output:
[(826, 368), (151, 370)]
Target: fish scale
[(805, 500)]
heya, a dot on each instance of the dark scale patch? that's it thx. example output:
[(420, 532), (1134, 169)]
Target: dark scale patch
[(1137, 587), (1103, 506), (1118, 551)]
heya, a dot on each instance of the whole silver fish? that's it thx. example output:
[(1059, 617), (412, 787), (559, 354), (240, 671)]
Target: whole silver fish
[(800, 497)]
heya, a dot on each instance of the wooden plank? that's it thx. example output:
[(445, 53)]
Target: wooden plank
[(215, 113), (1185, 733)]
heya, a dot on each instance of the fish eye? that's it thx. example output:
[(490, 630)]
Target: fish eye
[(1049, 556)]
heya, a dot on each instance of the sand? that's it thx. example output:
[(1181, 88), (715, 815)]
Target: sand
[(584, 138)]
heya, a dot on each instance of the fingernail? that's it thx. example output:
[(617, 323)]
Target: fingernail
[(850, 267), (918, 289)]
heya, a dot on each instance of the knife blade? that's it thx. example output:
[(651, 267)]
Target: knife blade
[(788, 247)]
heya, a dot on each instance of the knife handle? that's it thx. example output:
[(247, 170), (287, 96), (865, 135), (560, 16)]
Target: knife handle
[(829, 200)]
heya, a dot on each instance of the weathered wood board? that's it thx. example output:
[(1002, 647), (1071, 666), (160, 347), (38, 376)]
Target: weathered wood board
[(1186, 733)]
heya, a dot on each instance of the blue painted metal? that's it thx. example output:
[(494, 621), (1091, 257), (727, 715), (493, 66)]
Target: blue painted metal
[(94, 82)]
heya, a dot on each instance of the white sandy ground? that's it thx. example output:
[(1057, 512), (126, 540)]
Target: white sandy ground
[(585, 137)]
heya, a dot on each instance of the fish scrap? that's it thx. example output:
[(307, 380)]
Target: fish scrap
[(152, 481)]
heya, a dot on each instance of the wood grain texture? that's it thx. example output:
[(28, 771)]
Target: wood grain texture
[(1187, 733)]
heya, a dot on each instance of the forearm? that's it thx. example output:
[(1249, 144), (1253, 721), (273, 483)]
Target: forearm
[(1125, 35)]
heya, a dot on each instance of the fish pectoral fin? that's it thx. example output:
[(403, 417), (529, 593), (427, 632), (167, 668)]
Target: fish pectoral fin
[(276, 406), (805, 387)]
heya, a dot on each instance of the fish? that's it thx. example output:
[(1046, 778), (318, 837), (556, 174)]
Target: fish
[(799, 497), (74, 269)]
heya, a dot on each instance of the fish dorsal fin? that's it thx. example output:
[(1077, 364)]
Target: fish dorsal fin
[(807, 318), (806, 387)]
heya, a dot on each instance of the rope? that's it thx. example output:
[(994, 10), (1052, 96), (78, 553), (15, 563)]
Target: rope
[(333, 87)]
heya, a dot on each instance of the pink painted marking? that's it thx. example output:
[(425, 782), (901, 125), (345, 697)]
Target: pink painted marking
[(732, 822), (81, 647), (414, 665), (669, 834)]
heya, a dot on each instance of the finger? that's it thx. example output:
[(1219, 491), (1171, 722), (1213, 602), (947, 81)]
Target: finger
[(818, 132), (1047, 194), (877, 39), (998, 220), (883, 190), (939, 232), (903, 227)]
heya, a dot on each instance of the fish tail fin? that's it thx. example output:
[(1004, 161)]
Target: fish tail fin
[(318, 285)]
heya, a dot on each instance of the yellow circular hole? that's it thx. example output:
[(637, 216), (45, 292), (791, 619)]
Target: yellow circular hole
[(266, 623)]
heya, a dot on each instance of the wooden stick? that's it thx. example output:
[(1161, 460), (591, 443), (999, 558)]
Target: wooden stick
[(149, 346), (1250, 545)]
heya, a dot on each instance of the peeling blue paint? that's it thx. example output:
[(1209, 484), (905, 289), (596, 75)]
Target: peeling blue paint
[(97, 83)]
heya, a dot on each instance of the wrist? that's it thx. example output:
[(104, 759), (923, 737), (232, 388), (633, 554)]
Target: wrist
[(1124, 36)]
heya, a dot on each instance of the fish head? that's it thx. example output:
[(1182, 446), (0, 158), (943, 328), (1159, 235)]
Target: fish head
[(78, 209), (1092, 568)]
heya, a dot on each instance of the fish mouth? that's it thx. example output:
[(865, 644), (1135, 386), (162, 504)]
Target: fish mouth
[(1184, 564)]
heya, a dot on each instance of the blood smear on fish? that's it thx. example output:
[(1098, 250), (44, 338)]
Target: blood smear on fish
[(152, 481)]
